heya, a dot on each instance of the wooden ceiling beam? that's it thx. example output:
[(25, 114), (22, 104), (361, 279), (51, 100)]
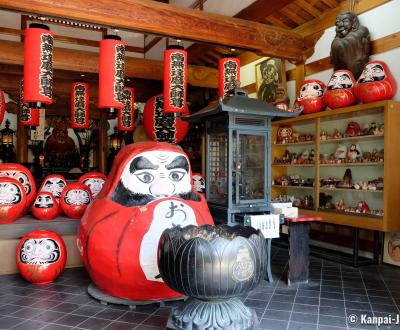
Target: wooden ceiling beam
[(261, 9), (81, 61), (166, 20)]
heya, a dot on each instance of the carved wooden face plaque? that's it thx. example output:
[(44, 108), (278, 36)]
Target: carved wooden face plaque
[(148, 190)]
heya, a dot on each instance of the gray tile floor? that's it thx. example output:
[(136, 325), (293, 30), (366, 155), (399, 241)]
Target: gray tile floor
[(333, 294)]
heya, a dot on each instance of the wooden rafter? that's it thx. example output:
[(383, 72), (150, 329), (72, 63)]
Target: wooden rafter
[(162, 19), (260, 9)]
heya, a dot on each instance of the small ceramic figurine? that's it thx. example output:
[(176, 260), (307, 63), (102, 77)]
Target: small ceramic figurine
[(12, 200), (284, 134), (340, 90), (340, 205), (362, 207), (353, 129), (41, 256), (375, 83), (354, 152), (347, 181), (336, 134), (75, 198), (311, 96), (45, 207), (341, 151), (199, 183), (324, 135)]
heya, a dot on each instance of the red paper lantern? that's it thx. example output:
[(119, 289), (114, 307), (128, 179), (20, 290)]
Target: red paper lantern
[(45, 207), (27, 116), (126, 120), (175, 79), (311, 96), (94, 180), (38, 65), (2, 106), (41, 256), (376, 83), (75, 198), (111, 73), (80, 105), (160, 126), (340, 90), (22, 175), (148, 190), (228, 74), (12, 200)]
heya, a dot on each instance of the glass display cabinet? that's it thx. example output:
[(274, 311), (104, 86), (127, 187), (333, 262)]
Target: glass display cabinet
[(238, 160)]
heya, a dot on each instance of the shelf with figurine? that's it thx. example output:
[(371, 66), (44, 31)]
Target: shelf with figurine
[(362, 138), (303, 203)]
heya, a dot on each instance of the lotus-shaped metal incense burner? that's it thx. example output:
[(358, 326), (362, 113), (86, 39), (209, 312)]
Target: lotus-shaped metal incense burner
[(212, 265)]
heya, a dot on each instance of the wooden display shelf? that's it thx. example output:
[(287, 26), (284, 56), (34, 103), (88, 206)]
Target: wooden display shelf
[(293, 144), (300, 187), (389, 112)]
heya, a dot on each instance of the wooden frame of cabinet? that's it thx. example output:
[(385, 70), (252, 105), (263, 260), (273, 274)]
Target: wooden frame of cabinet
[(391, 193)]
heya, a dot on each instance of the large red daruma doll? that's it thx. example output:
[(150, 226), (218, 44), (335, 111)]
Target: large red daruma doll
[(41, 256), (376, 83), (12, 200), (163, 127), (75, 199), (94, 180), (148, 190), (340, 90), (22, 175), (311, 96)]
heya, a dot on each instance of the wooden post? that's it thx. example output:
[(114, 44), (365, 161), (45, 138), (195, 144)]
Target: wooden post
[(102, 150), (22, 143), (299, 75)]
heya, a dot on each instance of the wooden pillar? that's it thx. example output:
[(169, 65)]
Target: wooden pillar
[(300, 73), (22, 143), (102, 149)]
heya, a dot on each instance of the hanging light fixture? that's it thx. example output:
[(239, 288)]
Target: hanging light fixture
[(2, 106), (228, 74), (115, 140), (175, 79), (27, 116), (80, 105), (38, 66), (126, 114), (111, 74)]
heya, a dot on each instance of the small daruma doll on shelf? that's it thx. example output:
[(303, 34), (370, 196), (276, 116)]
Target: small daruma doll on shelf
[(340, 90), (12, 200), (45, 207), (311, 96), (94, 180), (54, 184), (199, 184), (376, 83), (75, 198), (148, 190), (41, 256)]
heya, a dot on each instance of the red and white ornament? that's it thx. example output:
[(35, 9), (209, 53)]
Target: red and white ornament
[(41, 256), (12, 200), (228, 74), (376, 83), (199, 183), (45, 207), (75, 198), (80, 105), (54, 184), (94, 180), (22, 175), (311, 96), (161, 127), (175, 79), (126, 115), (111, 73), (340, 90), (148, 190), (38, 65)]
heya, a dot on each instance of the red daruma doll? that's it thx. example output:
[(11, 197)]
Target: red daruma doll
[(94, 180), (12, 200), (41, 256), (311, 96), (376, 83), (75, 198), (340, 90), (45, 207)]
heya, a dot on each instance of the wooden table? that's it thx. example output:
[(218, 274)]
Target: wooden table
[(299, 250)]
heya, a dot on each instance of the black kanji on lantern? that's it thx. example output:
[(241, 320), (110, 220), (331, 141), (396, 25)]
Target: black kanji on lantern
[(80, 104), (46, 65), (119, 73), (177, 80), (164, 126), (230, 75)]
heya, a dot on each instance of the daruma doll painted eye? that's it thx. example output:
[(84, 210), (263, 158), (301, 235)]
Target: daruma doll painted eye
[(12, 200), (376, 83), (75, 198), (148, 190), (340, 90), (311, 96), (45, 207), (41, 256)]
